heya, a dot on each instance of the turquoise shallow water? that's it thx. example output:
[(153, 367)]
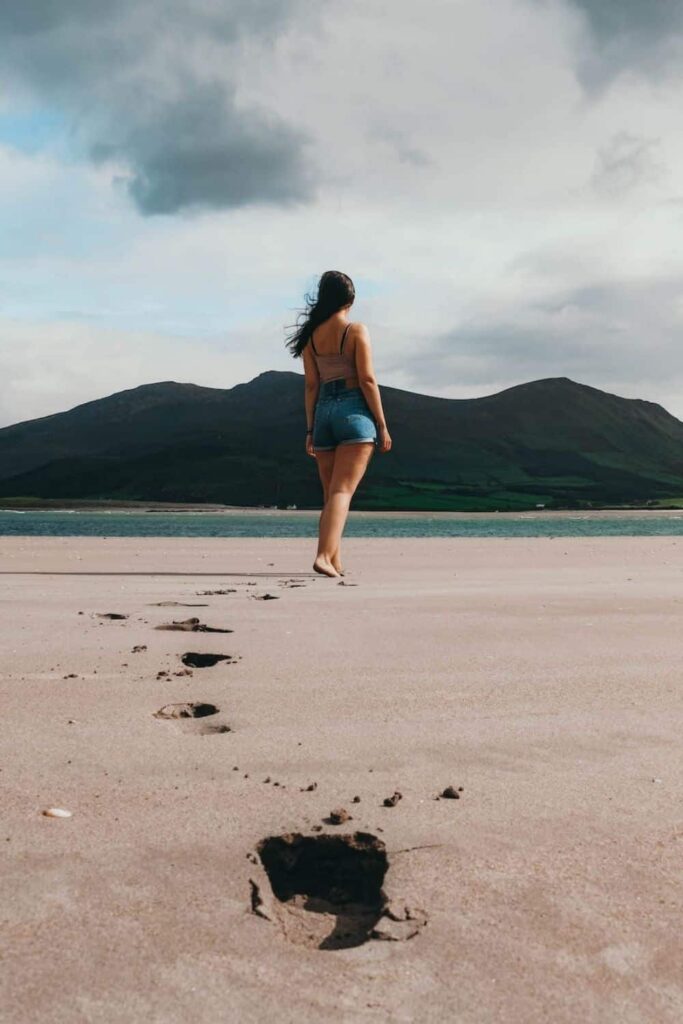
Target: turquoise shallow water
[(304, 524)]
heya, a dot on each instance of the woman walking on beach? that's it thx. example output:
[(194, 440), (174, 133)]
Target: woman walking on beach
[(344, 415)]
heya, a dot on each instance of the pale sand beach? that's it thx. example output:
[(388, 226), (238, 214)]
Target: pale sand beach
[(543, 676)]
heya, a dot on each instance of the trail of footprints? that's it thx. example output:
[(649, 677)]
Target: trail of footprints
[(324, 890)]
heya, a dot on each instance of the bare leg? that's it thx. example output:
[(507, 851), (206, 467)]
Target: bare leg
[(323, 564), (325, 461), (350, 464), (335, 559), (323, 561)]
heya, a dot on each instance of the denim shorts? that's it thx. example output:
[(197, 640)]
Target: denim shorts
[(342, 416)]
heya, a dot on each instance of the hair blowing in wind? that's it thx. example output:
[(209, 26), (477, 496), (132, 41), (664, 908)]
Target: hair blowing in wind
[(335, 290)]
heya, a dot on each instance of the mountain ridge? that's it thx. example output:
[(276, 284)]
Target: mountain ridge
[(552, 441)]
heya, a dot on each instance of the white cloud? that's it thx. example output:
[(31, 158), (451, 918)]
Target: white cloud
[(51, 367)]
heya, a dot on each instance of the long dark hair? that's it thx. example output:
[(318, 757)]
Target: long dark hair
[(335, 290)]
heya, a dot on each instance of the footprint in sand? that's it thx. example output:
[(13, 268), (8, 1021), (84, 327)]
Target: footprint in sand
[(186, 713), (325, 891), (187, 709), (198, 659), (210, 593), (109, 615), (192, 626), (177, 604), (450, 793)]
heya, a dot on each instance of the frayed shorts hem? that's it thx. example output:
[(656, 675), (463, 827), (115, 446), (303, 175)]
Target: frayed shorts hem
[(352, 440)]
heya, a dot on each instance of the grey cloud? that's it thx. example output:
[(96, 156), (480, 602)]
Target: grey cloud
[(623, 163), (198, 150), (611, 335), (398, 140), (637, 35), (227, 19), (126, 76), (610, 19), (45, 15)]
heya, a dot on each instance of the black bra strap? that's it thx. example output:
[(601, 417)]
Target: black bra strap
[(341, 347)]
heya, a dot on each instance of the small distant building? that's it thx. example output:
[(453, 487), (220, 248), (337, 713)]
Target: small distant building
[(291, 506), (540, 504)]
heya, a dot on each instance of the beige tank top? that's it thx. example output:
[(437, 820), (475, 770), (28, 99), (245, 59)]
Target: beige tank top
[(336, 365)]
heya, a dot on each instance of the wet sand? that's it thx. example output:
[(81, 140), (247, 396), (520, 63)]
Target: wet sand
[(543, 676)]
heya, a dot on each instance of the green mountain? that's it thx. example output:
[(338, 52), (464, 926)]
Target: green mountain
[(550, 441)]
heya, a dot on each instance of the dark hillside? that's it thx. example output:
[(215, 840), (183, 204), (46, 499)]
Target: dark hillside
[(550, 441)]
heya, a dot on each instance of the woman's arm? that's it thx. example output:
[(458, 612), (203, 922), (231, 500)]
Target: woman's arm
[(311, 389), (312, 386), (366, 375)]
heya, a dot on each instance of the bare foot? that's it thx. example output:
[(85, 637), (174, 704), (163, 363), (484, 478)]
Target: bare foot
[(325, 567), (337, 565)]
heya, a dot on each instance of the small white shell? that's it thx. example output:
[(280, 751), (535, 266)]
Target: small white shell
[(57, 812)]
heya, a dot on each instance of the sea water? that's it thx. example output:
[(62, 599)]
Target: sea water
[(125, 523)]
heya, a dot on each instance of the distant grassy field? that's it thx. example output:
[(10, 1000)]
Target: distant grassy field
[(668, 503), (435, 498)]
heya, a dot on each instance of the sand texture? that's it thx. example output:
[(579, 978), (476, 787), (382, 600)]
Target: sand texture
[(257, 837)]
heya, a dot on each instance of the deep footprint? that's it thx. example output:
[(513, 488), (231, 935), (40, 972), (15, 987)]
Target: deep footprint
[(191, 626), (191, 709), (196, 659), (328, 887)]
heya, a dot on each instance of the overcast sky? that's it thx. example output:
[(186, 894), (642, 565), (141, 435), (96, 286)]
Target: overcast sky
[(502, 179)]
